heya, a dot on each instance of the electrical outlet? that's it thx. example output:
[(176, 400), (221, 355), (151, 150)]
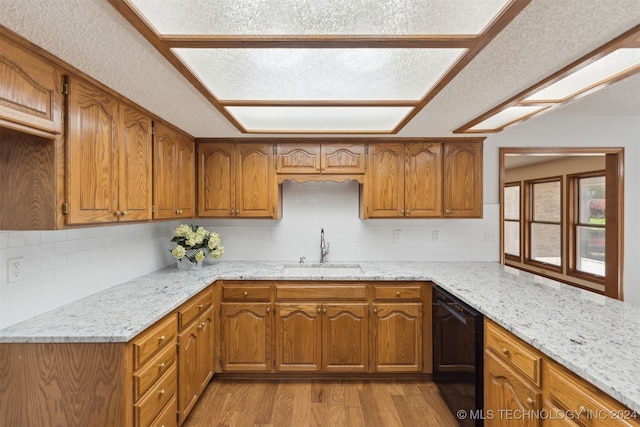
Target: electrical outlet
[(397, 235), (15, 268)]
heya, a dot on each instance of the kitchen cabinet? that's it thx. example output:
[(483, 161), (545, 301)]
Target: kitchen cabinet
[(462, 194), (398, 328), (31, 97), (195, 351), (173, 172), (424, 179), (246, 327), (316, 327), (525, 388), (109, 153), (320, 158), (236, 180)]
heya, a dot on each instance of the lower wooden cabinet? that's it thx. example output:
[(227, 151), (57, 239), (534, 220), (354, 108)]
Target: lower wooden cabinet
[(316, 327), (195, 351), (522, 387)]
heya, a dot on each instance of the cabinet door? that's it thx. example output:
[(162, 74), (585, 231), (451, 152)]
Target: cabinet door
[(92, 150), (215, 173), (342, 158), (345, 337), (188, 380), (462, 179), (423, 179), (246, 336), (30, 90), (136, 162), (397, 337), (298, 158), (506, 391), (384, 194), (186, 178), (165, 172), (254, 180), (298, 337)]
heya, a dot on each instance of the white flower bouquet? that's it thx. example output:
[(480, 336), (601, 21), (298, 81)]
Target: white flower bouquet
[(193, 242)]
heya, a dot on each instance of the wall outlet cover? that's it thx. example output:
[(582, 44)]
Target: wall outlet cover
[(15, 267)]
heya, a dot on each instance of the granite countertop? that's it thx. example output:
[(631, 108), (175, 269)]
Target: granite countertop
[(594, 336)]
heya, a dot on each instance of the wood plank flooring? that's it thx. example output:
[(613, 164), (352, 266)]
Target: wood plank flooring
[(340, 403)]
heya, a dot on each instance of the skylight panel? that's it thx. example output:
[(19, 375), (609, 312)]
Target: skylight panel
[(503, 118), (319, 74), (597, 72), (337, 17), (315, 119)]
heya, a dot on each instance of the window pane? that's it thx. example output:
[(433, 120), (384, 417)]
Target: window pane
[(546, 201), (545, 243), (512, 202), (592, 200), (590, 251), (512, 238)]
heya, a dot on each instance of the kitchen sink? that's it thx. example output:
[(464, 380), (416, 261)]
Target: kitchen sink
[(326, 269)]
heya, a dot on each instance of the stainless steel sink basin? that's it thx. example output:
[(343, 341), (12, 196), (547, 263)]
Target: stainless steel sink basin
[(326, 269)]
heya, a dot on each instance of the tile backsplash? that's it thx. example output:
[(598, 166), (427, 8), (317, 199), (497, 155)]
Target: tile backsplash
[(65, 265)]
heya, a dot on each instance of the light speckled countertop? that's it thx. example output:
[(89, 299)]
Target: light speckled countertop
[(594, 336)]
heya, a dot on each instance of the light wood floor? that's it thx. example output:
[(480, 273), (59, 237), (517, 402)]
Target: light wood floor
[(343, 403)]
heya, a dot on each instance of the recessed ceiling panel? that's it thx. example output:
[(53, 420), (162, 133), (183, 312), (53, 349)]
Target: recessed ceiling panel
[(316, 119), (498, 121), (337, 17), (594, 73), (319, 74)]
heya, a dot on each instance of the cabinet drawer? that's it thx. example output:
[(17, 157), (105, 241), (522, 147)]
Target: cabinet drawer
[(153, 370), (517, 353), (192, 309), (325, 292), (153, 339), (149, 407), (395, 292), (167, 417), (585, 403), (240, 291)]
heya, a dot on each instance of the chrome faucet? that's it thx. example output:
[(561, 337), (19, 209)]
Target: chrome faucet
[(324, 247)]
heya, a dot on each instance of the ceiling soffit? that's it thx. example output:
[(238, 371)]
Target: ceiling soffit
[(286, 66)]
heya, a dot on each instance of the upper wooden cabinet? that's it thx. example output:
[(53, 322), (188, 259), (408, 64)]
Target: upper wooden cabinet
[(236, 180), (462, 196), (174, 173), (109, 158), (423, 180), (30, 91), (320, 158)]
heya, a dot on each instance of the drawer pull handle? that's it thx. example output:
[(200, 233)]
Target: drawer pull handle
[(318, 309), (268, 309), (200, 306), (398, 293), (162, 365), (375, 310), (161, 392), (245, 293), (530, 401), (324, 310), (161, 338), (505, 351)]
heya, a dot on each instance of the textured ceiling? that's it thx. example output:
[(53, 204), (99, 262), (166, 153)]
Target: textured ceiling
[(546, 36)]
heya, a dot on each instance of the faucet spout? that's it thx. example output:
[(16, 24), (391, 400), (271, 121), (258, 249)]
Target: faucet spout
[(324, 247)]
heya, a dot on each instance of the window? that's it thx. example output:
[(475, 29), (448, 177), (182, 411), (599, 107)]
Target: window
[(544, 225), (588, 223), (512, 220)]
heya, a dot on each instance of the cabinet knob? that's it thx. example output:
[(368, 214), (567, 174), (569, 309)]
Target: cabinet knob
[(161, 392), (402, 211), (161, 338), (245, 293), (375, 310), (447, 211), (162, 365), (530, 401), (398, 293), (318, 309), (407, 211), (505, 351), (117, 213), (200, 306), (268, 309), (201, 326), (324, 310), (124, 213)]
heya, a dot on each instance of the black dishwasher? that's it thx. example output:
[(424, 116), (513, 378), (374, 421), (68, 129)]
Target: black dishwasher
[(458, 356)]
